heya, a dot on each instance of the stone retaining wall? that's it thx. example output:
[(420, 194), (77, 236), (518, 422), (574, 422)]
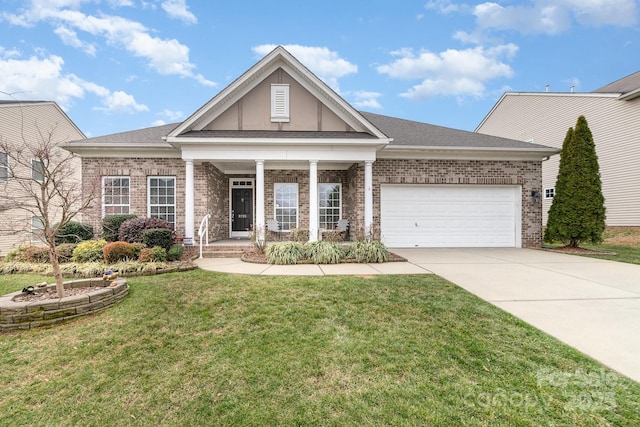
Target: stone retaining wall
[(32, 314)]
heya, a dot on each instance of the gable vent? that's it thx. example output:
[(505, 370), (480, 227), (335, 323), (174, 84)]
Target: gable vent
[(279, 103)]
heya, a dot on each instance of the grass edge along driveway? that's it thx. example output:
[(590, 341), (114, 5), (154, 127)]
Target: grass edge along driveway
[(201, 348)]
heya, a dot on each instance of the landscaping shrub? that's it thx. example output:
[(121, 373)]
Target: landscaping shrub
[(118, 251), (89, 251), (65, 251), (37, 254), (137, 248), (74, 232), (175, 253), (156, 253), (284, 253), (132, 229), (18, 254), (300, 235), (333, 236), (111, 225), (321, 252), (162, 237), (374, 251)]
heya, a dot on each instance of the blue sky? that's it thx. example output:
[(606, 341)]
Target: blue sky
[(117, 65)]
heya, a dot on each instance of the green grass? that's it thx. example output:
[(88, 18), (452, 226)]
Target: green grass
[(620, 244), (201, 348)]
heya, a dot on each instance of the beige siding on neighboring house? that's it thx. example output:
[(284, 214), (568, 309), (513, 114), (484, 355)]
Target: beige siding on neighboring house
[(22, 124), (544, 118)]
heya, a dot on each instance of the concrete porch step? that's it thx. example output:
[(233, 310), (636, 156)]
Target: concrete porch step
[(224, 249)]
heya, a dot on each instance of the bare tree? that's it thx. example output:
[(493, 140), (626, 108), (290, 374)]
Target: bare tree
[(42, 180)]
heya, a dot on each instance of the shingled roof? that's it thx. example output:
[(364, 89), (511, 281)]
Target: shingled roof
[(410, 133), (404, 133), (624, 85)]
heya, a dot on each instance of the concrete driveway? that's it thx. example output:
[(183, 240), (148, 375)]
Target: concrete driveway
[(590, 304)]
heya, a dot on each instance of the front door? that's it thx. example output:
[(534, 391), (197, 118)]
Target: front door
[(241, 211)]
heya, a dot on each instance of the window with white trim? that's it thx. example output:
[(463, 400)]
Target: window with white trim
[(115, 195), (329, 205), (37, 229), (286, 205), (37, 170), (4, 166), (279, 103), (162, 198), (549, 193)]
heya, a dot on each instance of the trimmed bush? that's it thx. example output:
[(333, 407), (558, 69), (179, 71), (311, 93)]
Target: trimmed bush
[(118, 251), (368, 251), (38, 254), (284, 253), (111, 225), (155, 254), (132, 229), (65, 251), (175, 253), (137, 248), (89, 251), (162, 237), (74, 232), (300, 235), (18, 254), (321, 252)]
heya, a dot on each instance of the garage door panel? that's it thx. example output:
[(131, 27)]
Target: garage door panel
[(449, 216)]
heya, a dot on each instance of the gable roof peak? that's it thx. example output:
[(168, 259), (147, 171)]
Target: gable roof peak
[(278, 58)]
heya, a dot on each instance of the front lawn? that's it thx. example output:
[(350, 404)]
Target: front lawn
[(201, 348)]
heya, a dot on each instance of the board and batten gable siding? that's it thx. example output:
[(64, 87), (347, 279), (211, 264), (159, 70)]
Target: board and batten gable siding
[(253, 111), (20, 124), (544, 118)]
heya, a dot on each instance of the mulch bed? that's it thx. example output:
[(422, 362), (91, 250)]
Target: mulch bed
[(256, 257), (577, 251), (51, 293)]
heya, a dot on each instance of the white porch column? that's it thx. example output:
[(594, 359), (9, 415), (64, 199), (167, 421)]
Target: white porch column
[(189, 207), (259, 219), (368, 200), (313, 200)]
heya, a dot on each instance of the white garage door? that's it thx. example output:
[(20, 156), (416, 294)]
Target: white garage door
[(450, 216)]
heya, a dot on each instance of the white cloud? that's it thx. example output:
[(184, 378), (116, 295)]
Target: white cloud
[(166, 56), (453, 72), (366, 99), (442, 6), (551, 17), (158, 122), (171, 115), (177, 9), (70, 38), (42, 78), (323, 62)]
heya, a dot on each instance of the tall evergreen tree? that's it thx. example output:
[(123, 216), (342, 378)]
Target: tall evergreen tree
[(577, 212)]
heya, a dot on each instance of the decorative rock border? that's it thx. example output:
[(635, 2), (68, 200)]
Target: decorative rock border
[(32, 314)]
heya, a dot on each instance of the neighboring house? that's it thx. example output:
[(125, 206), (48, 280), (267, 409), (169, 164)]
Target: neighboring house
[(613, 114), (278, 143), (22, 124)]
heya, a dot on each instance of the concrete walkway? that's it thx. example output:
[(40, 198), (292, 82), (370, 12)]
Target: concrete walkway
[(592, 305)]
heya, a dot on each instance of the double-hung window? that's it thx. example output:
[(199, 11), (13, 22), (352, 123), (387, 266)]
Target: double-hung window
[(286, 205), (549, 193), (37, 229), (115, 195), (37, 170), (4, 166), (329, 205), (162, 198)]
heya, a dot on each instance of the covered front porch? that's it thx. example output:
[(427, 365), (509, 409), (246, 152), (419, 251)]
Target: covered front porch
[(248, 196)]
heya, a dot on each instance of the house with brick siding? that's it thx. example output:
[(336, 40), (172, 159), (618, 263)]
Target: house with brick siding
[(279, 144)]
